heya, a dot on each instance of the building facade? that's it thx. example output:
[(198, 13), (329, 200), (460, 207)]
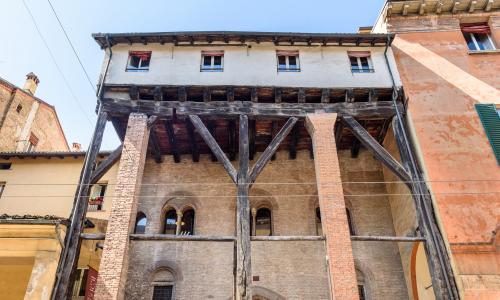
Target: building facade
[(447, 55), (28, 123), (253, 167), (36, 196)]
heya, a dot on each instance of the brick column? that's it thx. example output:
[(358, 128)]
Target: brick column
[(343, 284), (114, 260)]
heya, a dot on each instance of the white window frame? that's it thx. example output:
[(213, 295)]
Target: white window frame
[(212, 67), (287, 63), (360, 66), (476, 44), (131, 68)]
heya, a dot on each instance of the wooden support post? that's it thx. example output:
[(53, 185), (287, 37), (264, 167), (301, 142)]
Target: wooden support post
[(195, 152), (349, 96), (488, 5), (274, 126), (158, 93), (243, 246), (104, 166), (230, 94), (339, 128), (212, 144), (207, 94), (439, 7), (119, 128), (69, 256), (212, 129), (231, 141), (376, 149), (173, 141), (443, 280), (252, 133), (355, 147), (294, 140), (155, 146), (373, 95)]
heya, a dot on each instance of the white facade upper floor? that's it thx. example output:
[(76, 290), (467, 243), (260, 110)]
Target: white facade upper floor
[(267, 64)]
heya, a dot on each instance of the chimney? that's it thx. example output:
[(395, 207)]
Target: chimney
[(365, 29), (31, 83), (77, 147)]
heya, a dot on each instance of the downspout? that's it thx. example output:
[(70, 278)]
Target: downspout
[(414, 165)]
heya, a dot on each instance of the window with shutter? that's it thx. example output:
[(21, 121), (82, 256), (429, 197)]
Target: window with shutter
[(491, 123)]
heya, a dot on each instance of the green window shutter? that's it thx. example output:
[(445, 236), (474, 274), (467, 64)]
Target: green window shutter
[(491, 123)]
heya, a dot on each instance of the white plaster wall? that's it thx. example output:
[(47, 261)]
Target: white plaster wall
[(180, 65)]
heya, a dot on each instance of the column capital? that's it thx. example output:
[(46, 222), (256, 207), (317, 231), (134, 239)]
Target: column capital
[(320, 121)]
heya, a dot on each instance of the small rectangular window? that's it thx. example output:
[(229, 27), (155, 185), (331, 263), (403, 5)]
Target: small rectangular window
[(139, 61), (5, 166), (96, 201), (360, 61), (212, 61), (162, 292), (2, 188), (478, 36), (288, 61)]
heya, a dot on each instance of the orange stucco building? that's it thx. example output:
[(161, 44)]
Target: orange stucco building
[(448, 59)]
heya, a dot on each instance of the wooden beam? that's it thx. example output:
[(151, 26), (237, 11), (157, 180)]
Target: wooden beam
[(271, 149), (232, 143), (119, 128), (133, 92), (376, 149), (339, 128), (155, 145), (454, 10), (488, 5), (252, 134), (325, 96), (301, 95), (158, 93), (172, 140), (373, 95), (277, 95), (152, 121), (421, 9), (243, 247), (212, 144), (472, 6), (172, 237), (211, 125), (294, 140), (71, 251), (387, 238), (439, 7), (217, 109), (181, 94), (355, 147), (274, 130), (405, 9), (299, 238), (93, 236), (207, 94), (349, 96), (105, 165), (230, 94), (195, 151), (254, 95)]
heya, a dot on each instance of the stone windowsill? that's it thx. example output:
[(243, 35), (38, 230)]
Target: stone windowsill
[(484, 51)]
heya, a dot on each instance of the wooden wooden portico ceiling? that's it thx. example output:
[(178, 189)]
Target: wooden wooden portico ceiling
[(266, 107)]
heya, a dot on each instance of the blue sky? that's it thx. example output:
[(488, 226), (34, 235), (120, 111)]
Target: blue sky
[(22, 51)]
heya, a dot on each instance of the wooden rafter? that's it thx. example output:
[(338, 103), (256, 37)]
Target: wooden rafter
[(105, 165), (173, 141), (195, 151)]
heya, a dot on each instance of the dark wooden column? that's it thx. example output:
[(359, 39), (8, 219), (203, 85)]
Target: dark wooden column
[(243, 264), (69, 256), (443, 280)]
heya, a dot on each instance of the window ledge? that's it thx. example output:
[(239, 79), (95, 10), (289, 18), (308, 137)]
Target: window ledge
[(474, 52)]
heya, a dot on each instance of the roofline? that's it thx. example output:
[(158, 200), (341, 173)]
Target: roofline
[(226, 36), (58, 154)]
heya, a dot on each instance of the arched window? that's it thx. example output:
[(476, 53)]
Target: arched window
[(187, 223), (349, 220), (140, 223), (163, 285), (263, 222), (319, 229), (170, 225)]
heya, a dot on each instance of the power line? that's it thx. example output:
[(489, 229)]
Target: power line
[(55, 63), (72, 47)]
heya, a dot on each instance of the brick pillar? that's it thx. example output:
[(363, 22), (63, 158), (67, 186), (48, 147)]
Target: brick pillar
[(343, 284), (114, 260)]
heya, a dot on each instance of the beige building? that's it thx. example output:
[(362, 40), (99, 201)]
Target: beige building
[(36, 195), (28, 123)]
